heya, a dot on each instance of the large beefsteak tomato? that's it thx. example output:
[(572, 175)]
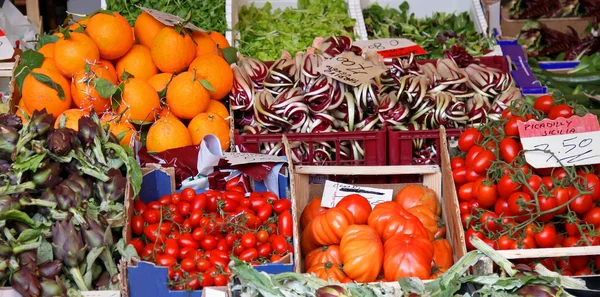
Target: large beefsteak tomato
[(358, 205), (362, 253), (406, 256), (426, 217), (328, 227), (389, 219), (414, 195), (328, 271), (324, 254), (312, 209), (442, 254)]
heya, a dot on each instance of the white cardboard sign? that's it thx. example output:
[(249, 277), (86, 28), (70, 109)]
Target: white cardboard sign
[(350, 69), (235, 158), (391, 47), (334, 192), (6, 48)]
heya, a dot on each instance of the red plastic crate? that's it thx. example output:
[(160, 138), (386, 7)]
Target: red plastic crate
[(498, 62), (401, 150)]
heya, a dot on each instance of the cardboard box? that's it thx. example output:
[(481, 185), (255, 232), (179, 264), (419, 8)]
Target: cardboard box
[(512, 27), (145, 279)]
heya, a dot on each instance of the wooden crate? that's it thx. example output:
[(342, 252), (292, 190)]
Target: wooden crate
[(303, 192)]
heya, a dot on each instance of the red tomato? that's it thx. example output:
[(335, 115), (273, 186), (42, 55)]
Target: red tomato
[(274, 258), (175, 198), (234, 195), (470, 232), (262, 236), (483, 161), (188, 265), (209, 243), (207, 280), (509, 149), (199, 202), (506, 243), (202, 265), (151, 216), (248, 240), (578, 262), (457, 162), (528, 242), (467, 220), (165, 200), (469, 138), (506, 186), (546, 238), (249, 255), (177, 218), (187, 253), (186, 240), (487, 194), (184, 208), (137, 225), (501, 207), (562, 198), (572, 228), (491, 242), (465, 192), (592, 217), (584, 271), (279, 244), (188, 195), (511, 127), (264, 212), (592, 184), (460, 175), (257, 202), (519, 203), (581, 204), (534, 181), (228, 205), (284, 222), (282, 205), (166, 260), (198, 234), (546, 204), (570, 241), (560, 110), (139, 207), (543, 103), (264, 250), (221, 280), (464, 207), (246, 203), (489, 221), (547, 182), (472, 154), (472, 175), (138, 244), (171, 248), (154, 233)]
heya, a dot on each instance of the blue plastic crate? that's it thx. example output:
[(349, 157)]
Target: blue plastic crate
[(148, 280), (521, 71)]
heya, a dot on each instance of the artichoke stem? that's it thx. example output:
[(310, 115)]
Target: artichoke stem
[(16, 189), (58, 215), (109, 262), (93, 173), (26, 247), (39, 202), (78, 279), (79, 220), (21, 143)]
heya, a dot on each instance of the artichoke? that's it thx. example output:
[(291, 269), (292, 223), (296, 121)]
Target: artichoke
[(331, 291), (8, 202), (28, 259), (68, 248), (9, 137), (538, 291), (114, 188), (26, 282), (96, 235), (51, 288), (41, 122), (88, 129), (60, 141), (50, 269), (80, 185), (49, 176), (11, 120), (66, 197)]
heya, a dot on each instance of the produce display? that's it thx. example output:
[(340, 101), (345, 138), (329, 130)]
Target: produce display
[(535, 9), (62, 196), (509, 204), (264, 32), (435, 34), (195, 11), (167, 86), (291, 96), (399, 238), (196, 234), (544, 43)]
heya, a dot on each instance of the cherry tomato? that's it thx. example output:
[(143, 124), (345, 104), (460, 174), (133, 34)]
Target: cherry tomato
[(234, 195), (509, 149), (282, 205), (467, 220), (246, 203), (139, 207), (177, 218), (264, 250), (460, 175), (207, 280), (547, 182), (465, 192), (137, 225), (248, 240), (165, 200), (151, 216), (468, 139), (562, 198), (193, 284), (546, 238), (284, 222), (582, 204), (472, 175), (511, 128), (470, 232), (559, 174), (491, 242), (584, 271), (156, 233), (528, 242), (592, 184), (188, 195), (238, 249), (543, 103), (175, 198), (188, 265), (199, 202), (592, 217), (457, 162), (472, 154), (578, 262), (166, 260), (506, 186), (249, 255), (464, 207), (198, 234), (202, 265), (487, 194), (209, 243), (187, 253), (184, 208), (264, 212), (262, 236), (506, 243), (171, 248), (501, 207), (546, 204), (278, 243), (489, 221), (274, 258), (186, 240), (560, 110), (535, 182), (220, 280), (519, 203), (138, 244)]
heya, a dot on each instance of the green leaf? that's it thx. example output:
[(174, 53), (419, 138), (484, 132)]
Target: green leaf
[(29, 60), (163, 93), (17, 215), (126, 75), (46, 39), (92, 255), (127, 251), (87, 68), (404, 6), (230, 54), (207, 85), (29, 235), (44, 252), (133, 168), (105, 88), (32, 162), (49, 82)]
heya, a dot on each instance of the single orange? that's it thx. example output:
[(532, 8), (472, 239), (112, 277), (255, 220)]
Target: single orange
[(83, 88), (146, 28), (138, 62), (110, 70), (172, 51), (50, 65), (165, 112), (159, 82), (209, 123), (47, 50), (81, 23), (219, 108), (139, 101), (72, 117), (216, 71), (168, 133), (186, 96), (71, 54), (37, 95), (204, 44), (111, 33), (118, 126), (219, 39)]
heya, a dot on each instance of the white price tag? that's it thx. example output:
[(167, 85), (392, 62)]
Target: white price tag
[(350, 69), (6, 48), (334, 192), (391, 47), (561, 142), (246, 158), (169, 19)]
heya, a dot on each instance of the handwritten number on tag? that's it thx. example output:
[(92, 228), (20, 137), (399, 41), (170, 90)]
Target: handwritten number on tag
[(570, 144), (376, 45), (355, 70)]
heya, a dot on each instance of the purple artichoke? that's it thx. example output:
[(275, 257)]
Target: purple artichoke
[(60, 141), (11, 120), (114, 188), (49, 176), (67, 244), (50, 269), (51, 288), (96, 235), (26, 282), (87, 130)]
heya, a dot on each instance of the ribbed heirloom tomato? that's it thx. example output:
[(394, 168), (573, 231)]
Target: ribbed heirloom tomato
[(361, 245), (324, 254), (406, 256), (358, 205), (389, 219)]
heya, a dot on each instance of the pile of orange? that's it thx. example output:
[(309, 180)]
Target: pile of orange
[(147, 62)]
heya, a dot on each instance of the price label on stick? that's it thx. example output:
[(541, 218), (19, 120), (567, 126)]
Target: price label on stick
[(334, 192), (562, 142), (391, 47), (350, 69)]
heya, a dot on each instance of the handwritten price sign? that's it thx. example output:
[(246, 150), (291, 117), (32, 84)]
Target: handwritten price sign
[(334, 192), (350, 69), (561, 142), (391, 47)]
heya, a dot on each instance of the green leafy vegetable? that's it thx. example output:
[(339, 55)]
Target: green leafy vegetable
[(264, 32), (435, 34), (206, 14)]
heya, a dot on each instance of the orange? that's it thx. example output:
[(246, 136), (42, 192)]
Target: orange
[(146, 27), (159, 82), (111, 33), (81, 23), (118, 126), (204, 44), (71, 54), (219, 108), (168, 133), (209, 123), (72, 117), (110, 70), (219, 39), (49, 64), (217, 71), (83, 88), (139, 101), (186, 96), (138, 62), (172, 52), (47, 50), (165, 112), (37, 95), (21, 110)]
